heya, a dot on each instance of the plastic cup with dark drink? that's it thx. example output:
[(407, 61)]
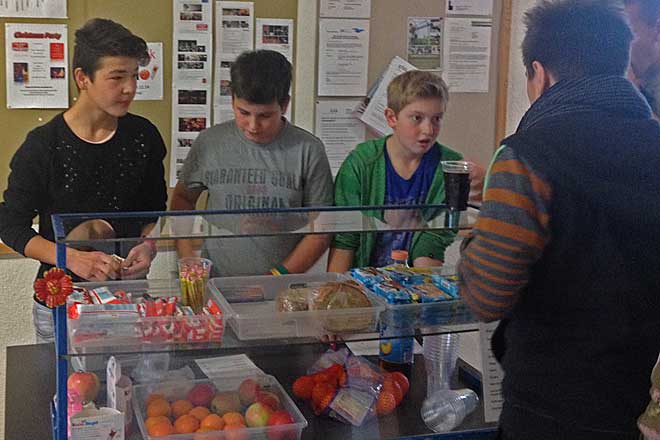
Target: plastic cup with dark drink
[(457, 183)]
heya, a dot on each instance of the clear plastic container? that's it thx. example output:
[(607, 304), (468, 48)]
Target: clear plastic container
[(106, 332), (445, 410), (440, 356), (179, 390), (249, 303)]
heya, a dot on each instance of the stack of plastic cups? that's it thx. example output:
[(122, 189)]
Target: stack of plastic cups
[(440, 355), (446, 409)]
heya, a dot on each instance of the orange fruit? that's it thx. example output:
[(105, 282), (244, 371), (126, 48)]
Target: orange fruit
[(153, 420), (152, 397), (233, 418), (213, 421), (158, 407), (234, 431), (386, 403), (394, 388), (302, 387), (203, 429), (186, 424), (161, 427), (181, 407), (199, 412)]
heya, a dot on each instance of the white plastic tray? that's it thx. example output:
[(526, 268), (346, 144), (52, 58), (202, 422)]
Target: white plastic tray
[(248, 303)]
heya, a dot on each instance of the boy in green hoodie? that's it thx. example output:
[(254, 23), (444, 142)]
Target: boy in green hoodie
[(403, 168)]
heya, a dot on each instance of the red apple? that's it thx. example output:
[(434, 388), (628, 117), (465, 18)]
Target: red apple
[(86, 384), (281, 418), (269, 398), (257, 415), (225, 402), (144, 74), (248, 390), (201, 394)]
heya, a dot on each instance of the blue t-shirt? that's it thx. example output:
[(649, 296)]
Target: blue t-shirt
[(399, 191)]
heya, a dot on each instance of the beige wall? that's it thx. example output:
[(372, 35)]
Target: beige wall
[(517, 99)]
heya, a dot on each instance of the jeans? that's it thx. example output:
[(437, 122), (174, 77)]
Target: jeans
[(44, 327)]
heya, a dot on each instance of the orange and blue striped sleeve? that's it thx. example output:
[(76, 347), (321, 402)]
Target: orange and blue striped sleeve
[(508, 238)]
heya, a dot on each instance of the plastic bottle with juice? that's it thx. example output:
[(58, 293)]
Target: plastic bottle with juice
[(397, 341)]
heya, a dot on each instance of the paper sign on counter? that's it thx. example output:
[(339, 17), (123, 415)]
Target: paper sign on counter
[(228, 366)]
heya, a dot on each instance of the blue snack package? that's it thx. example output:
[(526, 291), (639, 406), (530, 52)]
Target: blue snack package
[(448, 283), (367, 276)]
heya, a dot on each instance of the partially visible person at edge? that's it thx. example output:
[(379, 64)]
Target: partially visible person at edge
[(564, 251), (94, 157), (644, 71), (258, 160), (399, 169), (644, 19)]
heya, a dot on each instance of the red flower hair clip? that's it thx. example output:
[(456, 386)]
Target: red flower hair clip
[(54, 287)]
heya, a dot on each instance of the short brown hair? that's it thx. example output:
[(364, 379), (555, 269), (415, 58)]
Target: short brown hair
[(415, 84), (99, 38), (576, 38)]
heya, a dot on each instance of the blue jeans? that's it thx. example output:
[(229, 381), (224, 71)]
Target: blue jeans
[(44, 327)]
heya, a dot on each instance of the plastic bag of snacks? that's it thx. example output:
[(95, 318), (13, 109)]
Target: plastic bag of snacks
[(349, 388)]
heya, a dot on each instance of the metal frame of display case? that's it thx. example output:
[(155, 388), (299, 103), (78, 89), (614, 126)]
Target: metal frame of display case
[(59, 405)]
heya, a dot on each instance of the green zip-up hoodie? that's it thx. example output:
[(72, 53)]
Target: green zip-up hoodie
[(361, 181)]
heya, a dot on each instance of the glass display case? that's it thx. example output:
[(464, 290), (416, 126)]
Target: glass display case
[(163, 323)]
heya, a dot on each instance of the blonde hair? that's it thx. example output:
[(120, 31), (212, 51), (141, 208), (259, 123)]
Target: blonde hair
[(415, 84)]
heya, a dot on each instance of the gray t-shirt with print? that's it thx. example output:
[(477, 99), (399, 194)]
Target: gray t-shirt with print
[(290, 171)]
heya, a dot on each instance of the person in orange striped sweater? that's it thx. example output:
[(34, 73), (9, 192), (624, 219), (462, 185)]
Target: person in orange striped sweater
[(564, 252)]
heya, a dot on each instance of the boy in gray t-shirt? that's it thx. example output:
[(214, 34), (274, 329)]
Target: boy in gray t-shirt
[(257, 161)]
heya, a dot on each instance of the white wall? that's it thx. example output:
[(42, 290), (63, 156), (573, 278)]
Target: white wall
[(16, 277), (517, 102)]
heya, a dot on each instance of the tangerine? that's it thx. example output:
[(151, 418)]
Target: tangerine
[(150, 421), (386, 403), (152, 397), (186, 424), (233, 418), (181, 407), (158, 407), (199, 412), (161, 427), (213, 421)]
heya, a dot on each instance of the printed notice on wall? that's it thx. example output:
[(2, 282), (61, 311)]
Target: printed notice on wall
[(36, 65), (425, 42), (343, 57), (150, 77), (339, 129), (372, 110), (33, 8), (234, 27), (467, 54), (275, 34), (192, 63), (469, 7), (234, 23), (491, 374), (345, 8)]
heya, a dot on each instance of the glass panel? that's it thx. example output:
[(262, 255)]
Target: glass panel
[(285, 364), (299, 221)]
